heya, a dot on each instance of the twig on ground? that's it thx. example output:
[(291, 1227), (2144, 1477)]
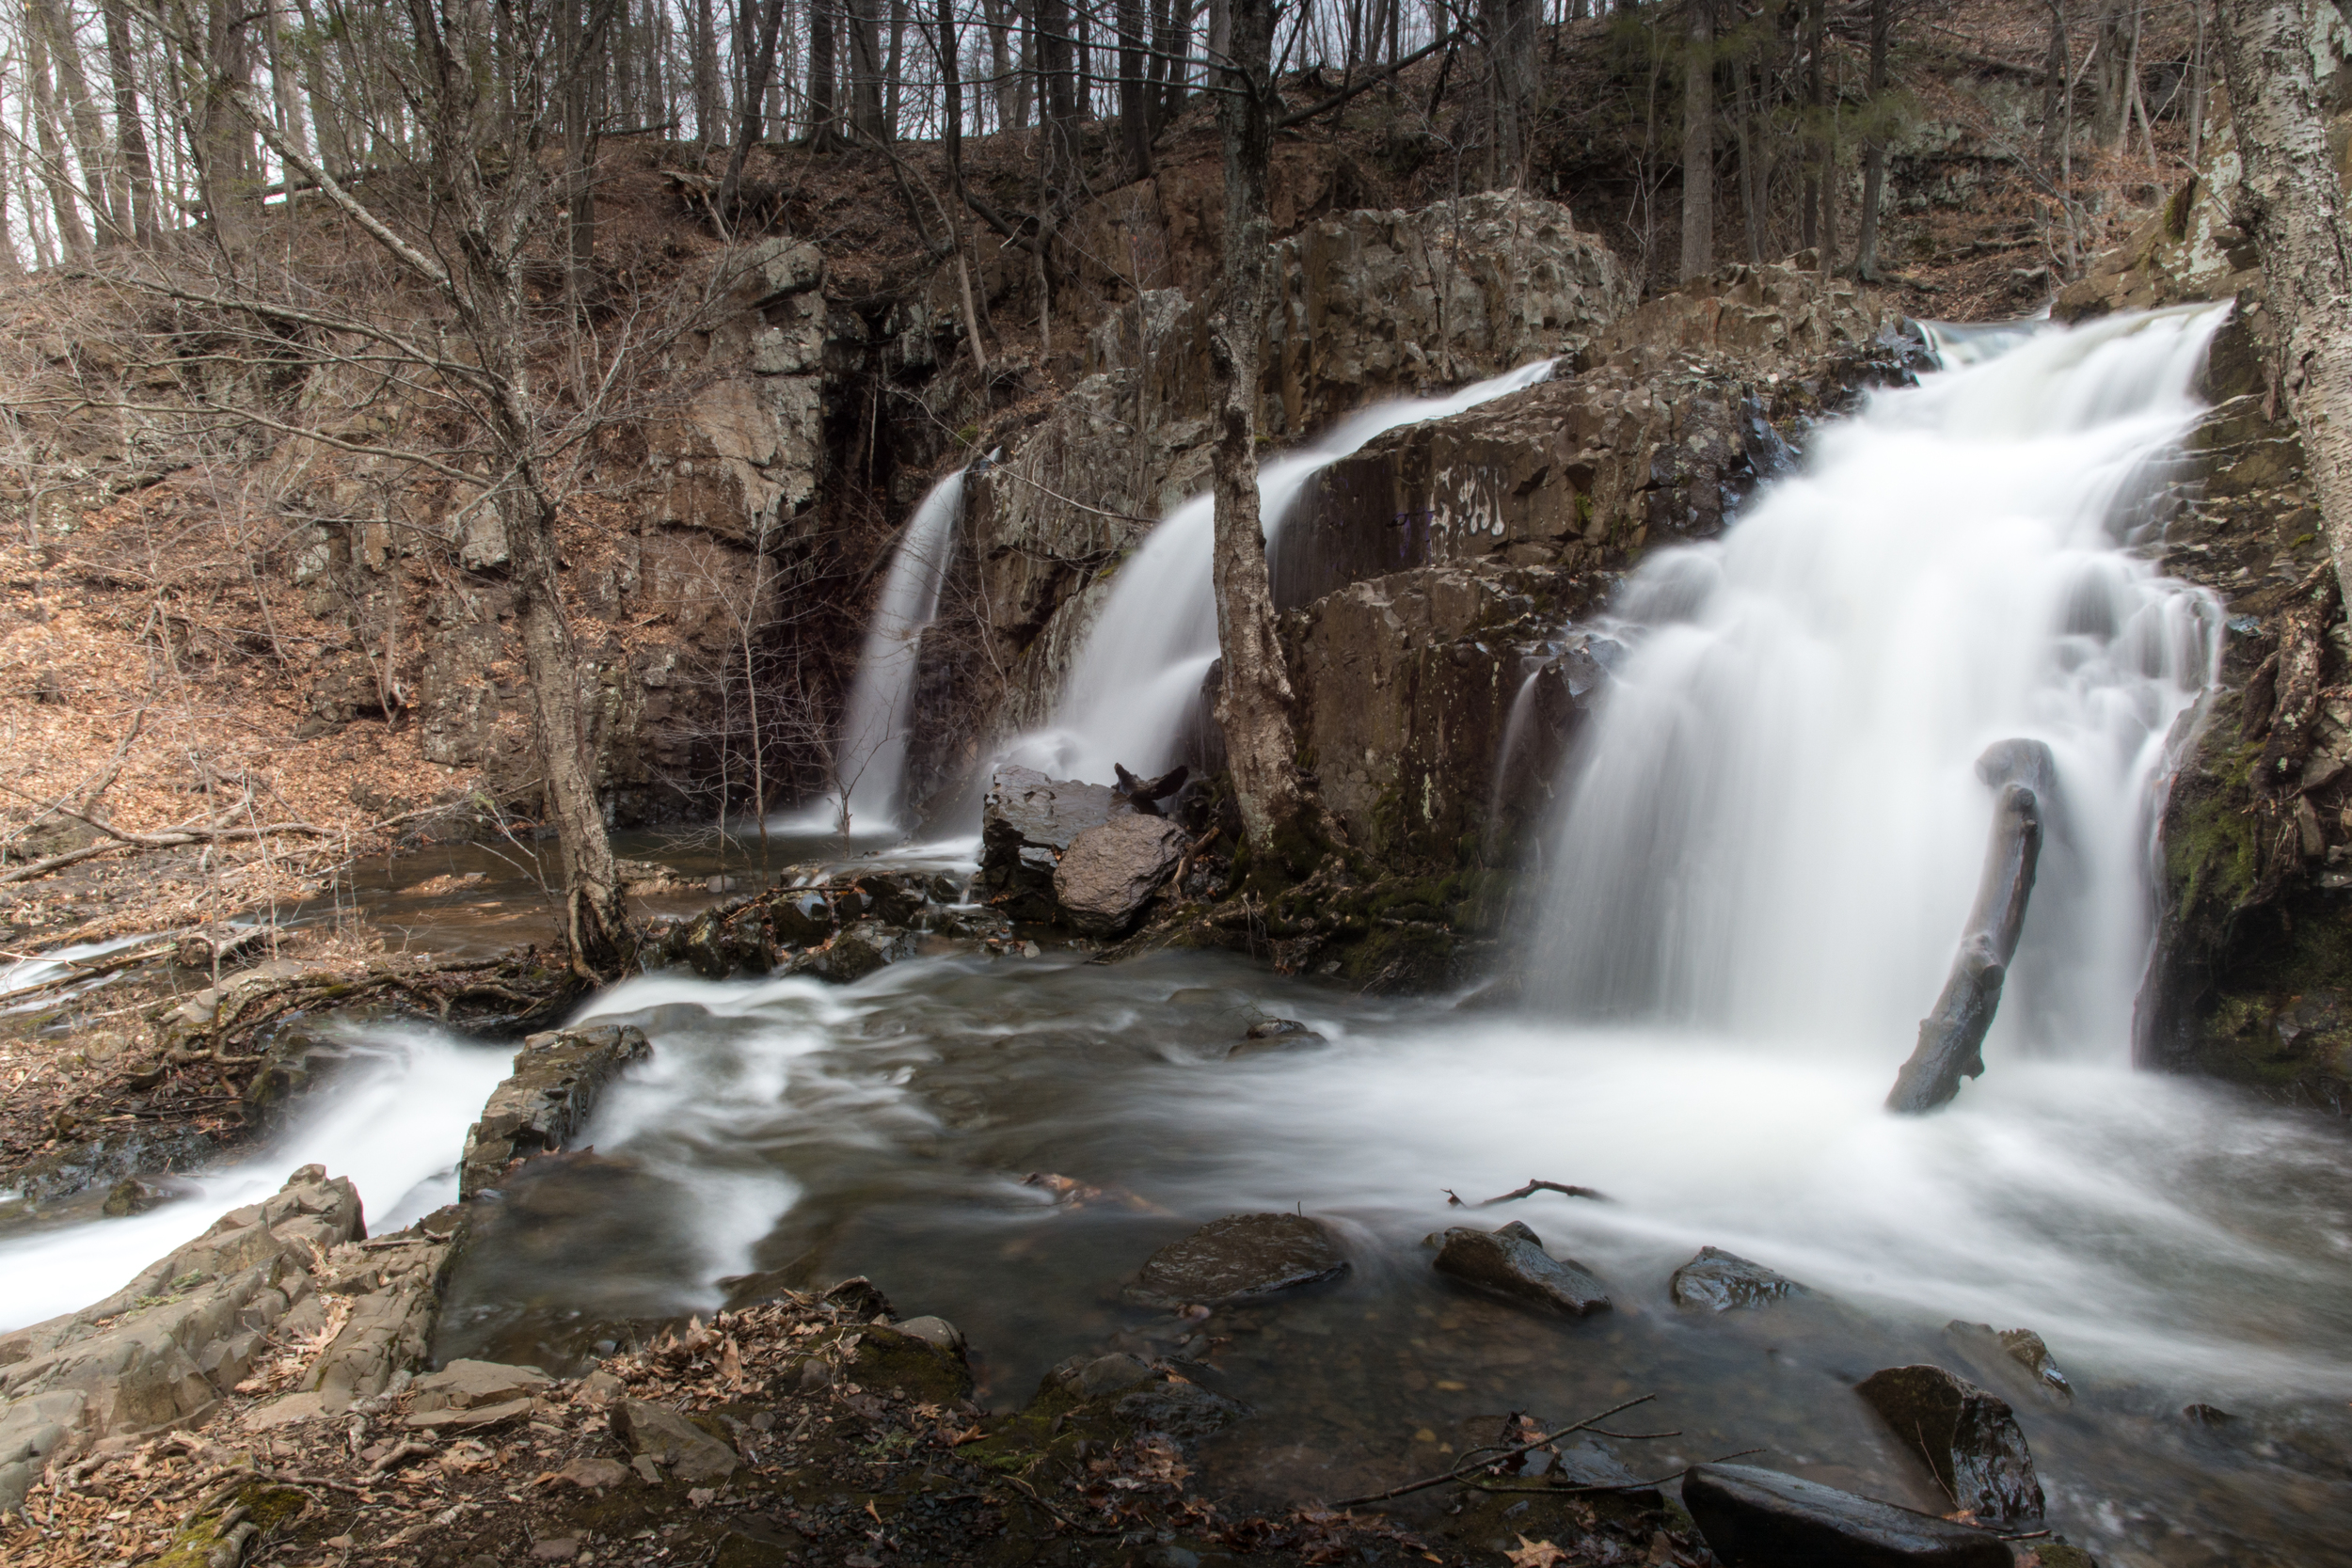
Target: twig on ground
[(1466, 1468)]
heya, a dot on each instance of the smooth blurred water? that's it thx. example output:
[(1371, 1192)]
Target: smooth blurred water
[(1775, 826), (1136, 684), (869, 761), (394, 1121), (2174, 1242)]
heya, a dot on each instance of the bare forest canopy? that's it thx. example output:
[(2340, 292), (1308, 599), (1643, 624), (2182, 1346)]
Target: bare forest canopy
[(119, 120)]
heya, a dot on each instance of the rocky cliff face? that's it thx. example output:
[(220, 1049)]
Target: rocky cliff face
[(1375, 305), (1436, 573)]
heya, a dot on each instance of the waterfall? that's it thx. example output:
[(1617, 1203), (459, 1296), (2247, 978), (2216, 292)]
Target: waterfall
[(870, 756), (1773, 828), (394, 1121), (1135, 688)]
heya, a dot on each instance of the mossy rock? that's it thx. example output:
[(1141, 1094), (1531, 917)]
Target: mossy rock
[(269, 1507)]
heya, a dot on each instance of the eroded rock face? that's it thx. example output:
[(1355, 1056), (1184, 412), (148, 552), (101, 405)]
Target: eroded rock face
[(1510, 1264), (1720, 1281), (1240, 1257), (1967, 1436), (1027, 822), (1110, 872), (1374, 305), (1757, 1518), (163, 1350), (557, 1080)]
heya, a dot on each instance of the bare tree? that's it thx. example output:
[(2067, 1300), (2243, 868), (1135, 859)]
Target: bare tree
[(2290, 201), (1698, 143)]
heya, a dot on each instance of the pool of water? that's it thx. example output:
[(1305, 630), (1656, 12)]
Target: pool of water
[(2173, 1242)]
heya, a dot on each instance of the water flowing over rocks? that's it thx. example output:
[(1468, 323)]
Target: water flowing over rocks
[(2013, 1352), (1720, 1281), (1510, 1264), (837, 926), (1238, 1259), (1967, 1436), (558, 1078), (1758, 1519), (164, 1349), (1375, 305)]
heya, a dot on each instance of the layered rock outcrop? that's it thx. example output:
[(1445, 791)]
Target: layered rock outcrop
[(166, 1349), (1437, 565)]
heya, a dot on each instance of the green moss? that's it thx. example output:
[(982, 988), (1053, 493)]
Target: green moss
[(2213, 846), (269, 1507)]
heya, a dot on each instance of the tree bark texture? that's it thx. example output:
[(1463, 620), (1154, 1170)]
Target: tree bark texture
[(1865, 255), (1951, 1038), (2290, 200), (1255, 705), (1698, 144)]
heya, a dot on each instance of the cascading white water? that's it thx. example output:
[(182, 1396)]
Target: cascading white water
[(394, 1121), (1775, 826), (870, 753), (1131, 693)]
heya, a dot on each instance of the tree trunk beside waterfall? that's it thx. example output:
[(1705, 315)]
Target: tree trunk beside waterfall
[(2291, 202), (1255, 705)]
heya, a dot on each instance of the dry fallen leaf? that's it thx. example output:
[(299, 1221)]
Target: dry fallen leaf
[(1536, 1554)]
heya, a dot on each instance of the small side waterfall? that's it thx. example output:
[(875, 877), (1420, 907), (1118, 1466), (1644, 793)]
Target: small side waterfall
[(1775, 826), (870, 753), (1134, 686)]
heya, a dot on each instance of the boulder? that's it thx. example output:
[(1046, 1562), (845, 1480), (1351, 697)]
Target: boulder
[(463, 1385), (1273, 1034), (166, 1349), (1510, 1264), (658, 1433), (1720, 1281), (1968, 1437), (1239, 1258), (1110, 872), (557, 1080), (1027, 821), (1757, 1518)]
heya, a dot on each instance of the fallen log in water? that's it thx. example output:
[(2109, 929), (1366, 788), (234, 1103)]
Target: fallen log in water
[(1951, 1038)]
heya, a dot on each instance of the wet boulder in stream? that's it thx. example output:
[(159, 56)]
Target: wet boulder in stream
[(1510, 1264), (1968, 1437), (1720, 1281), (1110, 872), (1027, 821), (1758, 1519), (557, 1080), (1239, 1258)]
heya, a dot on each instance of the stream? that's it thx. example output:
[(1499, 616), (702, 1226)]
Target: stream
[(1771, 834)]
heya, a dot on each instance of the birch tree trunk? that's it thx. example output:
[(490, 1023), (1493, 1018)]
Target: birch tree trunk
[(2292, 203), (1255, 704)]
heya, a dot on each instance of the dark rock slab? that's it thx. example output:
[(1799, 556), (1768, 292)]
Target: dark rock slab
[(1110, 872), (1027, 821), (1967, 1436), (1720, 1281), (557, 1080), (1512, 1266), (1757, 1518), (1185, 1411), (1239, 1258)]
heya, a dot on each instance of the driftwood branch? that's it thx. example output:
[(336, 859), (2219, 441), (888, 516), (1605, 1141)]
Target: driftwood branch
[(1533, 1186), (1471, 1466), (1951, 1038)]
